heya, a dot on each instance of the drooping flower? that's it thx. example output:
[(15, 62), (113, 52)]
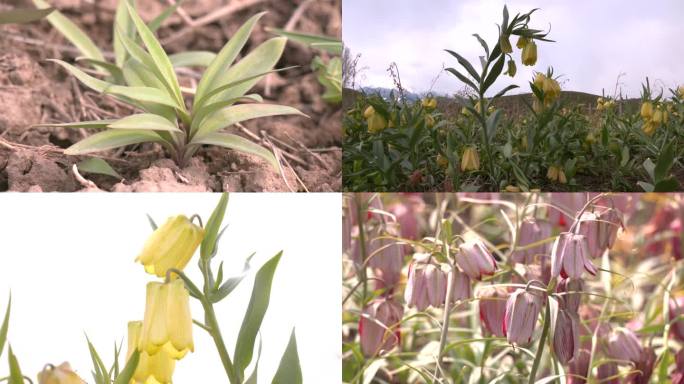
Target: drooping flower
[(566, 336), (522, 42), (462, 289), (512, 70), (520, 320), (429, 103), (470, 160), (570, 256), (492, 305), (643, 368), (532, 231), (570, 289), (556, 173), (646, 110), (171, 246), (61, 374), (475, 259), (379, 328), (158, 367), (167, 323), (578, 368), (376, 122), (622, 344), (387, 257), (505, 43), (529, 54), (426, 284), (678, 374)]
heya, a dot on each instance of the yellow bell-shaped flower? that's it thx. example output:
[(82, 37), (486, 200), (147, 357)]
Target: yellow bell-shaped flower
[(649, 127), (157, 368), (529, 54), (511, 68), (171, 246), (551, 90), (505, 44), (167, 324), (657, 117), (470, 160), (429, 103), (61, 374), (646, 110), (442, 161), (522, 42), (369, 112), (555, 173)]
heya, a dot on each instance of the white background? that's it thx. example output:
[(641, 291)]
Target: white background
[(69, 261)]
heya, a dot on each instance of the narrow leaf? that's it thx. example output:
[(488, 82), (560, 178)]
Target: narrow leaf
[(203, 112), (238, 143), (95, 124), (145, 121), (258, 304), (253, 377), (225, 57), (72, 33), (111, 139), (5, 325), (99, 166), (127, 373), (21, 16), (665, 161), (465, 64), (159, 20), (263, 58), (192, 59), (15, 377), (228, 116), (158, 54), (461, 77), (212, 228), (289, 371)]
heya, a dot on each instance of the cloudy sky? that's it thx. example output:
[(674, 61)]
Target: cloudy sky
[(595, 41)]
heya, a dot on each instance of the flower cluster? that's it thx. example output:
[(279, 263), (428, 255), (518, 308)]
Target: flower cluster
[(653, 117), (550, 90), (604, 104)]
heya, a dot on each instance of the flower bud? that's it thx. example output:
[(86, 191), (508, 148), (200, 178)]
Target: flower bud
[(475, 259), (167, 323), (570, 256), (511, 68), (566, 336), (61, 374), (461, 289), (532, 231), (646, 110), (379, 326), (623, 345), (470, 160), (677, 309), (571, 297), (520, 320), (505, 43), (492, 303), (522, 42), (158, 368), (387, 257), (171, 246), (529, 54), (579, 368)]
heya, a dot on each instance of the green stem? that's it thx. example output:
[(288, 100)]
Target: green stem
[(215, 332), (445, 320), (542, 342)]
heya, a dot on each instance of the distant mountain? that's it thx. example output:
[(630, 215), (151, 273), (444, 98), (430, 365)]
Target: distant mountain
[(385, 92)]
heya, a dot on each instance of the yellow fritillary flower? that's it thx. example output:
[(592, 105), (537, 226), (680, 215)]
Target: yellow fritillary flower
[(171, 246), (157, 368)]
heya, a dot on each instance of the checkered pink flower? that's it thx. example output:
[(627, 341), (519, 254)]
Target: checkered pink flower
[(520, 320), (475, 259), (570, 256), (378, 326)]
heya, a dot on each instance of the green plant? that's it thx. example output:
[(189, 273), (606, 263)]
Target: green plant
[(20, 16), (151, 85), (328, 72)]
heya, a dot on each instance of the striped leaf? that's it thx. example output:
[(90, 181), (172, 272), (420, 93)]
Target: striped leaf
[(238, 143), (112, 138)]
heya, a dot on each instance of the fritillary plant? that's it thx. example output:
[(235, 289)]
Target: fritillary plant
[(143, 76), (163, 336), (513, 288)]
